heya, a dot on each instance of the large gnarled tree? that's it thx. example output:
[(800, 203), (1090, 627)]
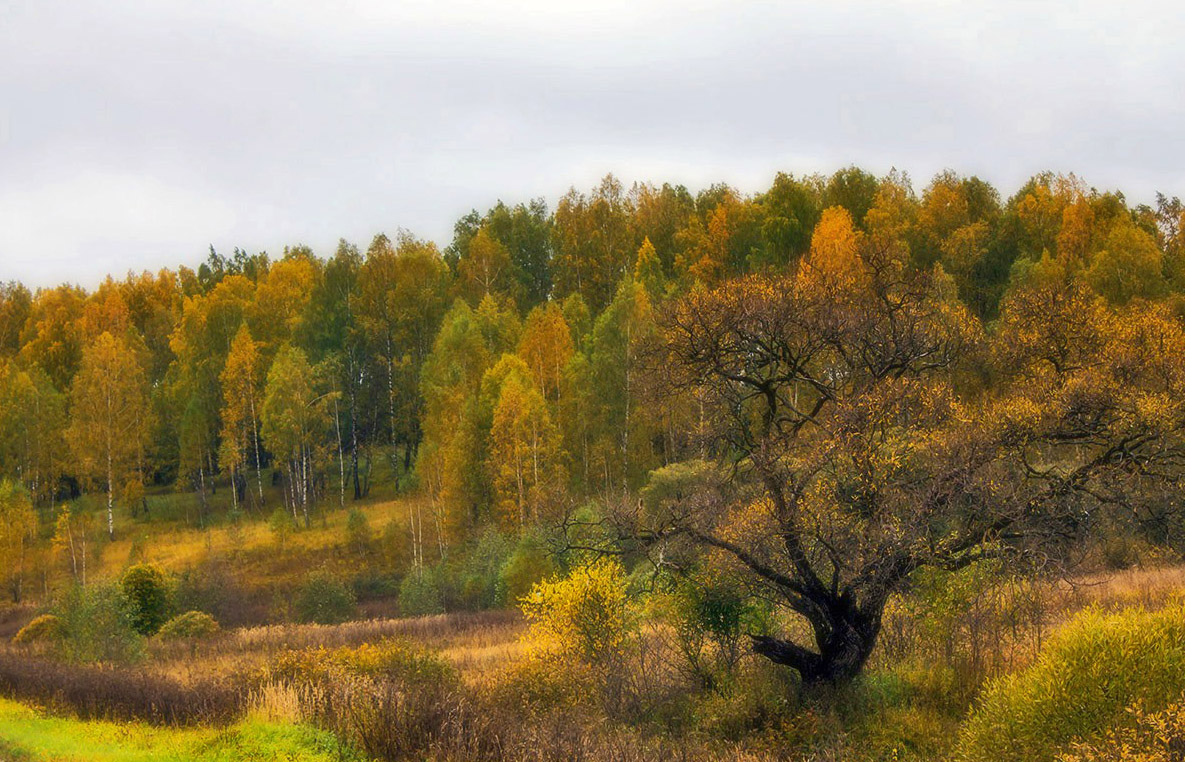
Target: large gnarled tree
[(855, 442)]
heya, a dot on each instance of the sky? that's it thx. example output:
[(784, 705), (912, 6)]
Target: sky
[(134, 134)]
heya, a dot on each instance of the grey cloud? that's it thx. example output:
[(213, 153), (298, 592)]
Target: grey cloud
[(133, 134)]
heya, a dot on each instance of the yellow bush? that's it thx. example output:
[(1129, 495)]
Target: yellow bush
[(585, 617), (191, 624), (1156, 737), (41, 629), (1084, 679)]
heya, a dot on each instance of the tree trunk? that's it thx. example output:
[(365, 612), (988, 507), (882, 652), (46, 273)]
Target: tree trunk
[(110, 497), (391, 403), (255, 438), (846, 638), (234, 490), (354, 444), (341, 455)]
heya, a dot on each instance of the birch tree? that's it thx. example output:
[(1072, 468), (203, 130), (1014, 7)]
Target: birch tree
[(241, 397), (109, 417), (294, 424)]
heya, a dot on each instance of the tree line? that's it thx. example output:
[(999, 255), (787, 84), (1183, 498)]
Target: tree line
[(940, 369)]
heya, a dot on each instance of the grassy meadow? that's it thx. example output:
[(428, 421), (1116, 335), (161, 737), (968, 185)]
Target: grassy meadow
[(491, 684)]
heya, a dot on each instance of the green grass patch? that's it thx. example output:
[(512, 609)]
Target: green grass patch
[(28, 734)]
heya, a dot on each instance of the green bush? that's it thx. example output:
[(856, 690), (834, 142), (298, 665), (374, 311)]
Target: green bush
[(97, 625), (527, 565), (419, 594), (282, 525), (358, 534), (42, 629), (324, 599), (211, 587), (147, 594), (710, 615), (191, 624), (1080, 686), (371, 585), (479, 583)]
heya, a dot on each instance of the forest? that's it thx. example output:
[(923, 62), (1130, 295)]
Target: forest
[(843, 469)]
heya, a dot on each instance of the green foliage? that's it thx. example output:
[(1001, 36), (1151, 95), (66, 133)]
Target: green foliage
[(480, 582), (358, 534), (32, 734), (621, 425), (191, 624), (1080, 686), (41, 629), (420, 593), (324, 599), (282, 525), (97, 625), (710, 614), (147, 593), (371, 584), (211, 588), (528, 565), (958, 621)]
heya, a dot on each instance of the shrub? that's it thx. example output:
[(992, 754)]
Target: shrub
[(371, 585), (97, 625), (358, 535), (419, 594), (390, 658), (42, 629), (96, 692), (586, 617), (211, 587), (191, 624), (528, 565), (282, 526), (536, 686), (147, 593), (324, 599), (480, 583), (1079, 687), (1154, 737), (710, 615)]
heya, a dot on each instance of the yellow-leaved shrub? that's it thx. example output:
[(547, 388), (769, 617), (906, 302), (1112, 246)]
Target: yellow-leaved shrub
[(1080, 687), (584, 617), (1154, 737), (582, 628), (44, 628)]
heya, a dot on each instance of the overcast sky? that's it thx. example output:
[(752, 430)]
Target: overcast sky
[(134, 134)]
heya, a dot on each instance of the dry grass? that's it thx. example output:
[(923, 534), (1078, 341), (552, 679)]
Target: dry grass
[(476, 643), (178, 547), (1147, 588), (127, 693), (480, 716)]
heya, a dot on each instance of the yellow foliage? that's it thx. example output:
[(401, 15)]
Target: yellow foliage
[(834, 255), (1156, 737), (587, 617), (546, 346)]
